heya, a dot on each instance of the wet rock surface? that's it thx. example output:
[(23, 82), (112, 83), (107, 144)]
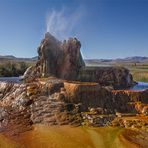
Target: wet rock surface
[(39, 102), (130, 100), (60, 90), (117, 77), (139, 137), (64, 61), (14, 121), (60, 59), (94, 119), (53, 101)]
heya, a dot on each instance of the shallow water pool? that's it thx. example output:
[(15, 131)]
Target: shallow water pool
[(10, 79), (140, 86)]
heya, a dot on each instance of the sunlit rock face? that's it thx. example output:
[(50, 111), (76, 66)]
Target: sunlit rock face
[(60, 59)]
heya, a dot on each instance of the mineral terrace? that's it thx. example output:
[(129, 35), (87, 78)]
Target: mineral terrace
[(61, 90)]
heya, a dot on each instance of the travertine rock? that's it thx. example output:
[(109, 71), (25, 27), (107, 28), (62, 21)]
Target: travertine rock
[(72, 59), (30, 74), (64, 60), (57, 102), (91, 95), (118, 77), (129, 100), (60, 59)]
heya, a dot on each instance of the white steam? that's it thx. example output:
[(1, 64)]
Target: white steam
[(63, 23)]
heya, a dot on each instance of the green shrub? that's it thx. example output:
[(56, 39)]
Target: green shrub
[(11, 69)]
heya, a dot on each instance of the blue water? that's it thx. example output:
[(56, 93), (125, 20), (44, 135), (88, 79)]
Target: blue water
[(140, 86), (10, 79)]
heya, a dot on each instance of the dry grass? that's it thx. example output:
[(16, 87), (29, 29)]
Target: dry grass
[(139, 72), (140, 76)]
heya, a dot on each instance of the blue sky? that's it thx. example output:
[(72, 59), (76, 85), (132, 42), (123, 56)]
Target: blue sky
[(106, 28)]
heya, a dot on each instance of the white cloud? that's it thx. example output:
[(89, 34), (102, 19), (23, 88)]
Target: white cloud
[(64, 22)]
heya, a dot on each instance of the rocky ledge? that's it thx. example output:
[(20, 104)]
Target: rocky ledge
[(60, 90), (63, 60), (53, 101)]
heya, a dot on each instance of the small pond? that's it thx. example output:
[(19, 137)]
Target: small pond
[(140, 86), (10, 79)]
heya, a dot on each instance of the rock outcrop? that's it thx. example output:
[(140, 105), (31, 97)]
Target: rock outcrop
[(59, 90), (60, 59), (126, 101), (90, 95), (118, 77), (64, 61), (42, 102), (55, 102)]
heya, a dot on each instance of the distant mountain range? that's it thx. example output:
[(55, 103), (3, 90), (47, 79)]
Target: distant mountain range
[(135, 59), (11, 57)]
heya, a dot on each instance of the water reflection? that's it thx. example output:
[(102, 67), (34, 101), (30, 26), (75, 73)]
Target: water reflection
[(10, 79), (140, 86)]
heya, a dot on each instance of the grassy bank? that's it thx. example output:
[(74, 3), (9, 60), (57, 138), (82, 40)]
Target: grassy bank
[(13, 69), (140, 76), (139, 72)]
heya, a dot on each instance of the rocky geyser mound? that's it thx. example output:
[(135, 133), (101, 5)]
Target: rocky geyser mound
[(60, 59), (60, 90), (64, 61)]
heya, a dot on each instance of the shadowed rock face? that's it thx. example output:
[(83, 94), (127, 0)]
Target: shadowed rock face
[(56, 102), (90, 95), (60, 59), (118, 77)]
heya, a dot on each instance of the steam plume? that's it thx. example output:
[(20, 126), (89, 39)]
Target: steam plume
[(63, 23)]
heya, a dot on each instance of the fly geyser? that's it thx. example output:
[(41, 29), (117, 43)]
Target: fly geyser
[(60, 59), (61, 90), (63, 60)]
